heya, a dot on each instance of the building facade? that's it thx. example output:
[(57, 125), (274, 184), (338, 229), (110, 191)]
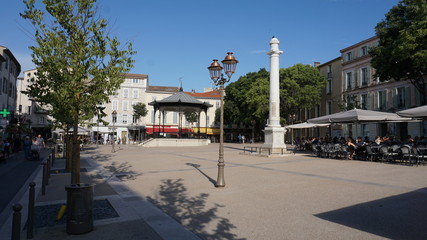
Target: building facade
[(350, 83), (136, 89), (10, 69)]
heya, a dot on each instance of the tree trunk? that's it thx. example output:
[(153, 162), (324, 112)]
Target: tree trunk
[(75, 169), (68, 150)]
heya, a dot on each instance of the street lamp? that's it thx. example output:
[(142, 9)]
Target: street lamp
[(215, 71), (114, 115), (292, 118)]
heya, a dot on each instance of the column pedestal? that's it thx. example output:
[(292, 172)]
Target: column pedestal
[(274, 139)]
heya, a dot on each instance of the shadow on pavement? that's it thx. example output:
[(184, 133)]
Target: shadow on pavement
[(402, 216), (197, 167), (192, 212)]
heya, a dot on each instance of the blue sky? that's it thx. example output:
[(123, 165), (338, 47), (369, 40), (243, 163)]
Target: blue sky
[(178, 39)]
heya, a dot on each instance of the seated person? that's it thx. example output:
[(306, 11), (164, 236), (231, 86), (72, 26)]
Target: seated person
[(351, 147)]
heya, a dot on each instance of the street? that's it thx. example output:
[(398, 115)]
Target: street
[(13, 175)]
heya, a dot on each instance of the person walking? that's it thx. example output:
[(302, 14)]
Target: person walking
[(40, 141), (27, 147)]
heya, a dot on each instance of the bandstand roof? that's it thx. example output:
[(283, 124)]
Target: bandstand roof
[(181, 102)]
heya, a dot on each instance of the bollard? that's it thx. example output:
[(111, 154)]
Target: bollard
[(53, 155), (16, 222), (30, 220), (44, 179), (49, 162)]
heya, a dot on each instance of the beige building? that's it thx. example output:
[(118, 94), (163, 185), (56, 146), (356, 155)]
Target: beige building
[(332, 94), (135, 89), (361, 90), (31, 112), (351, 84), (9, 72)]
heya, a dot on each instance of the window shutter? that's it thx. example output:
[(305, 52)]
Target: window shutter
[(417, 97), (368, 70), (356, 81), (368, 101), (394, 97), (375, 101), (407, 97)]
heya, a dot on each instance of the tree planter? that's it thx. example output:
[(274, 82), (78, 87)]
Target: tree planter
[(79, 208)]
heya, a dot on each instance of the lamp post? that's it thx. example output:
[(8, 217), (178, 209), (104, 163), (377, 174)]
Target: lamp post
[(215, 71), (114, 115), (292, 118)]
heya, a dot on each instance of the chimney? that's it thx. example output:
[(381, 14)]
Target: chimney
[(316, 64)]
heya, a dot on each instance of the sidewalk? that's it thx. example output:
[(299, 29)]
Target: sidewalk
[(118, 212)]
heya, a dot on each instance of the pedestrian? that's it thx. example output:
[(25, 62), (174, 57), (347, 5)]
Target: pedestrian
[(27, 147), (243, 139), (40, 141), (6, 148)]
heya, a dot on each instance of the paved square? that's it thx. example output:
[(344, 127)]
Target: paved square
[(292, 197)]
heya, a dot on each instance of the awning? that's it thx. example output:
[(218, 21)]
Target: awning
[(359, 116), (165, 129), (308, 125), (414, 112)]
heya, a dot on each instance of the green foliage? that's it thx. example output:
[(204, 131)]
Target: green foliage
[(237, 108), (140, 110), (78, 65), (300, 87), (402, 50), (191, 117), (247, 99)]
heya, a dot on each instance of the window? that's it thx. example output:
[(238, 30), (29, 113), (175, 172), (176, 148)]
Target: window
[(41, 120), (135, 81), (134, 119), (328, 108), (400, 97), (114, 105), (364, 51), (348, 80), (4, 85), (135, 93), (116, 93), (382, 100), (175, 117), (349, 101), (114, 118), (364, 101), (329, 71), (165, 117), (365, 77), (125, 93), (125, 119), (217, 105), (125, 105), (349, 56), (329, 86)]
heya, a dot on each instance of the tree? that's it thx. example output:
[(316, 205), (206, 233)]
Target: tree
[(139, 110), (247, 99), (78, 64), (402, 50), (191, 117), (237, 108), (300, 87)]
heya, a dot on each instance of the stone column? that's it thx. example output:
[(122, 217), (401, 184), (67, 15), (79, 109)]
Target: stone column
[(274, 133)]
